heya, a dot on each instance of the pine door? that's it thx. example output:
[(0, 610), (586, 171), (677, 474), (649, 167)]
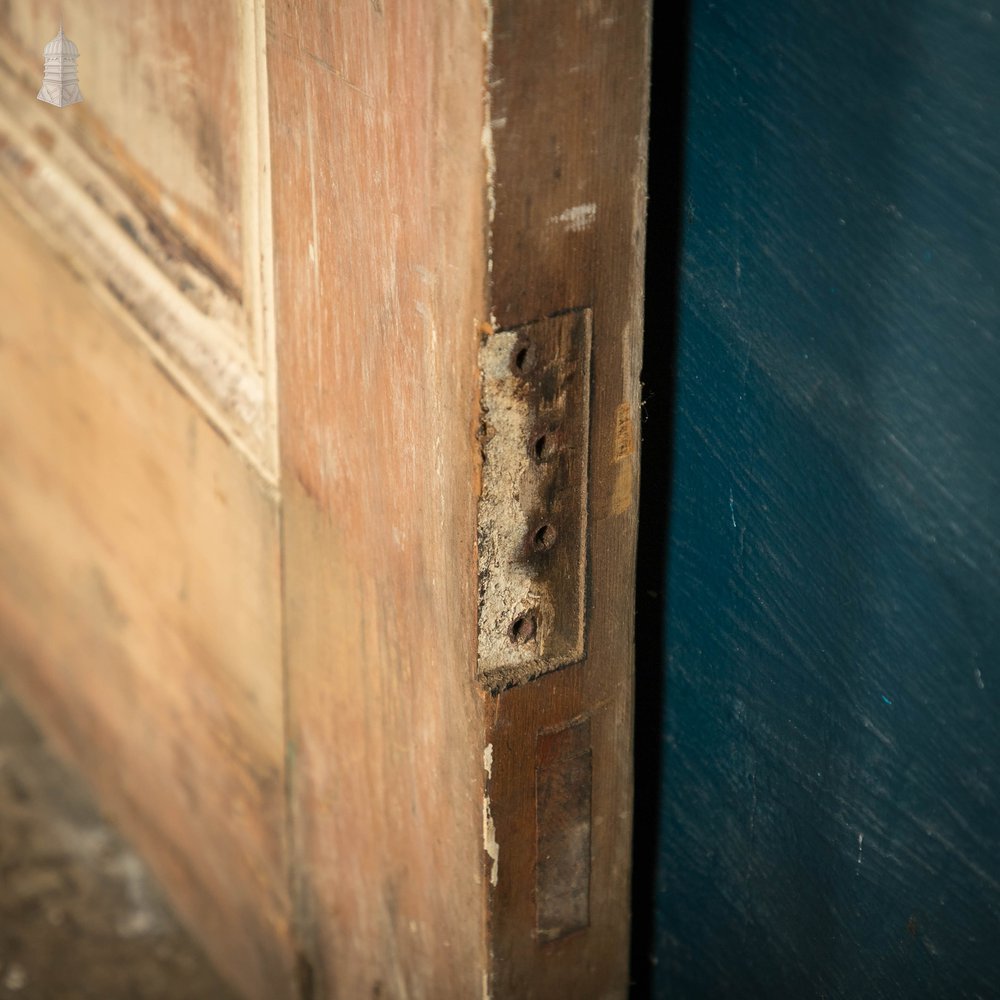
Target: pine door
[(319, 348)]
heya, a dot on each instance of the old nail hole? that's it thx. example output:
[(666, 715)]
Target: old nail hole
[(544, 538), (523, 628), (523, 358), (544, 445)]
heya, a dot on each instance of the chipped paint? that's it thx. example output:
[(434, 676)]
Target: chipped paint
[(489, 153), (488, 760), (577, 218), (490, 844), (624, 432), (185, 307)]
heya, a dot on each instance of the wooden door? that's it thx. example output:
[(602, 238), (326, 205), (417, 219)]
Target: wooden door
[(344, 651)]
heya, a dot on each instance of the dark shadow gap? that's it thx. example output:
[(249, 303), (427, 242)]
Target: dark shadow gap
[(668, 102)]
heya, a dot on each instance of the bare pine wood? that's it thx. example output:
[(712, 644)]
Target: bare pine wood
[(143, 183), (380, 261), (162, 103), (140, 606), (269, 621)]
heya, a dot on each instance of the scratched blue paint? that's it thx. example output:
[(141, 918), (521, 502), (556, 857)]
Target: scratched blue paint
[(842, 395)]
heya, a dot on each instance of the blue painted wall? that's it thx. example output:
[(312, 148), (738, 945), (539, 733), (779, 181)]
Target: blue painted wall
[(824, 454)]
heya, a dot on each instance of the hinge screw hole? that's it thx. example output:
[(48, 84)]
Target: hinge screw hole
[(543, 447), (523, 629), (523, 358), (544, 538)]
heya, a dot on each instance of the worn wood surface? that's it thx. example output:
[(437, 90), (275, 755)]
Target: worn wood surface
[(379, 237), (140, 605), (831, 787), (568, 87), (157, 186), (162, 104), (531, 530), (273, 625), (140, 555)]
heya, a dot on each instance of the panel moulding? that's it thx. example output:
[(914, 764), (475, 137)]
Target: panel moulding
[(216, 342)]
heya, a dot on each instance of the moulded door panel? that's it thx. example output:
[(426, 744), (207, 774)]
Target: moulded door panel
[(247, 285)]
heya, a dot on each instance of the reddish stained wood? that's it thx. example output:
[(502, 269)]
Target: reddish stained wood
[(380, 228), (569, 90), (406, 880), (380, 254)]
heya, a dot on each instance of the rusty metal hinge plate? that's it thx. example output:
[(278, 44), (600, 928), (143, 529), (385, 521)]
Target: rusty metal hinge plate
[(532, 520)]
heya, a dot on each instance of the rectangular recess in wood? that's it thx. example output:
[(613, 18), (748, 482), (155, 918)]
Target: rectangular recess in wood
[(563, 783), (532, 521)]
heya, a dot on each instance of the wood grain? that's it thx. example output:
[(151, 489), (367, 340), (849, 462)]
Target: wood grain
[(291, 661), (380, 253), (140, 606), (204, 311), (568, 115), (162, 105)]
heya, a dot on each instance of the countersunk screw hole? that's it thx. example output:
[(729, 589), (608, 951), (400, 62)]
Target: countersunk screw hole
[(523, 628), (544, 445), (523, 359), (544, 538)]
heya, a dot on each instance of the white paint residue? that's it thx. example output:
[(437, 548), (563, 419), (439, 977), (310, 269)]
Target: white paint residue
[(16, 977), (488, 760), (490, 841), (979, 679), (314, 242), (491, 169), (488, 153), (577, 218), (861, 841)]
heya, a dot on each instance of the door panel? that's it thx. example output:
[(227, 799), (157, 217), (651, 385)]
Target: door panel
[(156, 187), (258, 636), (141, 554), (141, 604), (162, 105)]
